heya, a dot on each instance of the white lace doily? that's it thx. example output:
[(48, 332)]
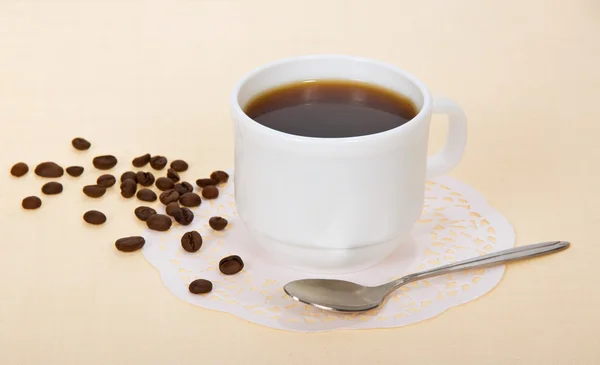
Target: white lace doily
[(456, 224)]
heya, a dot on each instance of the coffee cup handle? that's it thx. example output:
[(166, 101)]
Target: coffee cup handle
[(454, 148)]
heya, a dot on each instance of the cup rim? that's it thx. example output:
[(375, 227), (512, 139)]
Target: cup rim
[(239, 112)]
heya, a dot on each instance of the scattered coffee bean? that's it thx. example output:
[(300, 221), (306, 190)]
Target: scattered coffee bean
[(129, 175), (74, 171), (169, 196), (210, 192), (146, 195), (145, 178), (94, 191), (206, 182), (179, 165), (164, 183), (128, 188), (94, 217), (130, 244), (104, 162), (19, 169), (31, 202), (200, 286), (173, 209), (173, 175), (143, 212), (183, 187), (80, 144), (49, 169), (52, 188), (231, 265), (159, 222), (158, 162), (220, 176), (184, 216), (106, 180), (190, 200), (141, 161), (217, 223), (191, 241)]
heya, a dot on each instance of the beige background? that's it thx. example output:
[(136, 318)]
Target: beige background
[(138, 77)]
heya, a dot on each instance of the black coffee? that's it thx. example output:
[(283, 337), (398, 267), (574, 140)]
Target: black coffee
[(331, 109)]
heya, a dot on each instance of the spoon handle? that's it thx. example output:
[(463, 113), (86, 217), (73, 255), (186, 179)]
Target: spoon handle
[(491, 259)]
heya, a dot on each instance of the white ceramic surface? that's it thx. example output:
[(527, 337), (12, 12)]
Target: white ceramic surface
[(311, 202)]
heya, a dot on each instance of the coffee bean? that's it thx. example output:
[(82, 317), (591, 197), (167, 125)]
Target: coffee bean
[(143, 212), (94, 217), (164, 183), (169, 196), (220, 176), (80, 144), (104, 162), (191, 241), (173, 175), (48, 169), (52, 188), (190, 200), (184, 216), (94, 191), (217, 223), (179, 165), (129, 175), (146, 195), (210, 192), (130, 244), (159, 222), (106, 180), (145, 178), (141, 161), (231, 265), (183, 187), (31, 202), (173, 209), (206, 182), (74, 171), (200, 286), (19, 169), (128, 188), (158, 162)]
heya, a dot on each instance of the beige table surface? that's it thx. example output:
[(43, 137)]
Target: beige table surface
[(155, 76)]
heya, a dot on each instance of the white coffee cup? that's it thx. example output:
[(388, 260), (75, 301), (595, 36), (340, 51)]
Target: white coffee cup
[(336, 205)]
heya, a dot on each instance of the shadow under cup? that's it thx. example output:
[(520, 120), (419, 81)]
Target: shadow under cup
[(330, 205)]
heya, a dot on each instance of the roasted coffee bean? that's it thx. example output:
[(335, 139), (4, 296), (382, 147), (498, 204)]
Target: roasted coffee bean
[(19, 169), (52, 188), (104, 162), (145, 178), (31, 202), (220, 176), (158, 162), (130, 244), (49, 169), (74, 171), (159, 222), (169, 196), (173, 209), (173, 175), (106, 180), (179, 165), (200, 286), (191, 241), (164, 183), (217, 223), (94, 191), (206, 182), (184, 216), (128, 188), (146, 195), (210, 192), (183, 187), (143, 212), (94, 217), (129, 175), (231, 265), (80, 144), (141, 161), (190, 200)]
